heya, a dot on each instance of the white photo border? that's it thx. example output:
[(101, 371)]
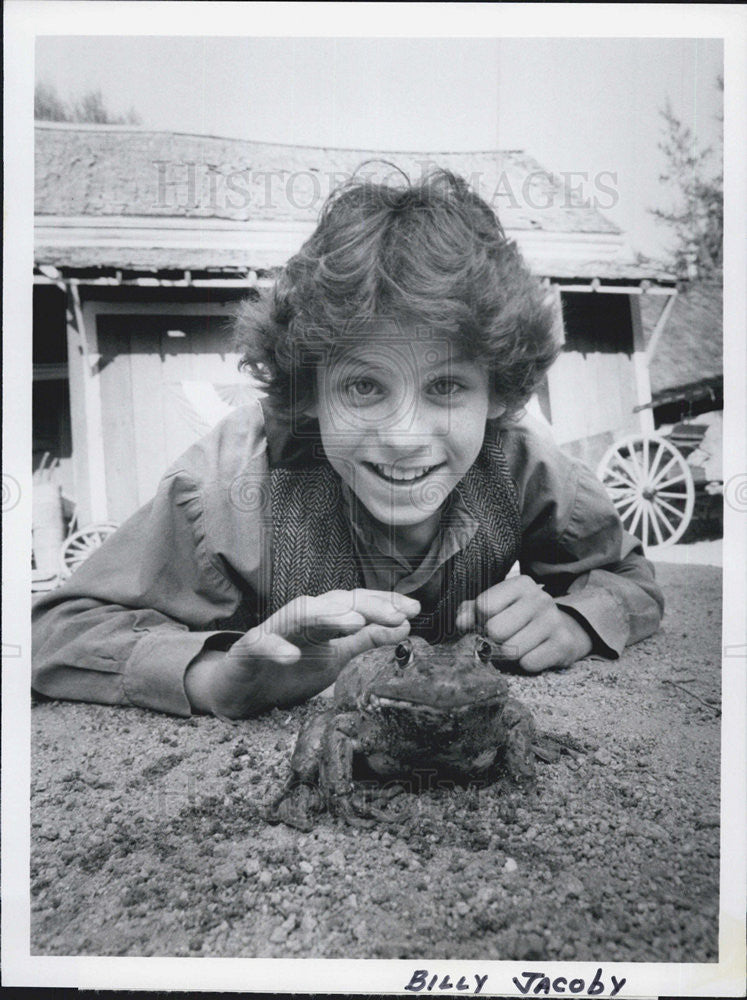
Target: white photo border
[(27, 19)]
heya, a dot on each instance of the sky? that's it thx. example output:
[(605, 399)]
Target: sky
[(584, 105)]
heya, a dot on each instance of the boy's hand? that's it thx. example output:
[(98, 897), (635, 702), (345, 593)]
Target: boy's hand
[(297, 652), (528, 623)]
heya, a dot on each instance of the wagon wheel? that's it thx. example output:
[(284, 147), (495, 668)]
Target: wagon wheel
[(651, 486), (79, 546)]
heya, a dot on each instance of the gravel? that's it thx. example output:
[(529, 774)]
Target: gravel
[(147, 837)]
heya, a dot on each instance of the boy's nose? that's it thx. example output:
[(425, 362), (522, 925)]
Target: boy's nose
[(404, 442), (408, 427)]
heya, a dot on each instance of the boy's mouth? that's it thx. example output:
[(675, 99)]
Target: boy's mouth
[(399, 476)]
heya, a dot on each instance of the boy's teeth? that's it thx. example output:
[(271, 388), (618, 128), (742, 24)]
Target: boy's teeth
[(391, 472)]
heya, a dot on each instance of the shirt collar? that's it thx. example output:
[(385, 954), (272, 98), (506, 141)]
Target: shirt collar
[(457, 528), (290, 444)]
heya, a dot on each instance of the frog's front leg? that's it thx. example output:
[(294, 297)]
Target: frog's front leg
[(336, 769), (519, 736), (300, 797)]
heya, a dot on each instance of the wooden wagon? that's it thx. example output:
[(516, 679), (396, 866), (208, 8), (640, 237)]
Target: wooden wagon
[(654, 485)]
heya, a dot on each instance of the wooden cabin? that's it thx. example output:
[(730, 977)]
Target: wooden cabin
[(145, 241)]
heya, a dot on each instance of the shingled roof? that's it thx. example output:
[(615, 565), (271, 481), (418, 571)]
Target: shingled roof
[(691, 346), (236, 203)]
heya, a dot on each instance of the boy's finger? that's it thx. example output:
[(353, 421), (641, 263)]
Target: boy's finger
[(521, 642), (323, 627), (507, 623), (368, 638), (259, 643), (501, 596), (385, 607), (465, 617), (336, 621), (409, 605), (302, 613), (328, 627), (348, 608), (368, 601), (542, 657), (366, 611)]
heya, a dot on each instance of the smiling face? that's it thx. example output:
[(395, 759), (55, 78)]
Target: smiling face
[(402, 419)]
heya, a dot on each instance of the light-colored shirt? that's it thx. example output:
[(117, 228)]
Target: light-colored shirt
[(125, 627)]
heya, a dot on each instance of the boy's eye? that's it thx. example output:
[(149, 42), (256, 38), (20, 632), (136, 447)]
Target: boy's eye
[(444, 387), (362, 388)]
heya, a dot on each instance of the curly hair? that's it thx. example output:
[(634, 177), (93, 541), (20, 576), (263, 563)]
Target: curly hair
[(432, 254)]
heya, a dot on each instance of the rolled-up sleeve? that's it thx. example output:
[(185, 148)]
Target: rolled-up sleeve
[(125, 627), (574, 544)]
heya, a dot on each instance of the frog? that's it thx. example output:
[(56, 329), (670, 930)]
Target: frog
[(403, 709)]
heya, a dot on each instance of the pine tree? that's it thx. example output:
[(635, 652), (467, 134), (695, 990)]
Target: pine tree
[(696, 218), (48, 106)]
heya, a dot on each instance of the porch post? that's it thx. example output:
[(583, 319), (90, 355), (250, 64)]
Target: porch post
[(640, 367), (89, 471)]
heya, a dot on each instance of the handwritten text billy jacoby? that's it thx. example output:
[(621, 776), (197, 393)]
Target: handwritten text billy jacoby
[(534, 983)]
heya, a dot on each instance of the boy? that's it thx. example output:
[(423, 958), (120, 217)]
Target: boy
[(382, 487)]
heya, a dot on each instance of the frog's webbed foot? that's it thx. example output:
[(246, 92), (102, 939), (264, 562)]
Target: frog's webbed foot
[(550, 746), (375, 802), (294, 806), (346, 808), (389, 792), (546, 748), (364, 814)]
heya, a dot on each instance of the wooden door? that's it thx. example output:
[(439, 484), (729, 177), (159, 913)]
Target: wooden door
[(592, 386), (165, 381)]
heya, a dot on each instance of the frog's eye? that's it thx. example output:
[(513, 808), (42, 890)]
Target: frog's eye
[(483, 649), (403, 653)]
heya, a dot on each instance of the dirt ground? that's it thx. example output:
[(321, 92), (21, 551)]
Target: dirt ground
[(147, 838)]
